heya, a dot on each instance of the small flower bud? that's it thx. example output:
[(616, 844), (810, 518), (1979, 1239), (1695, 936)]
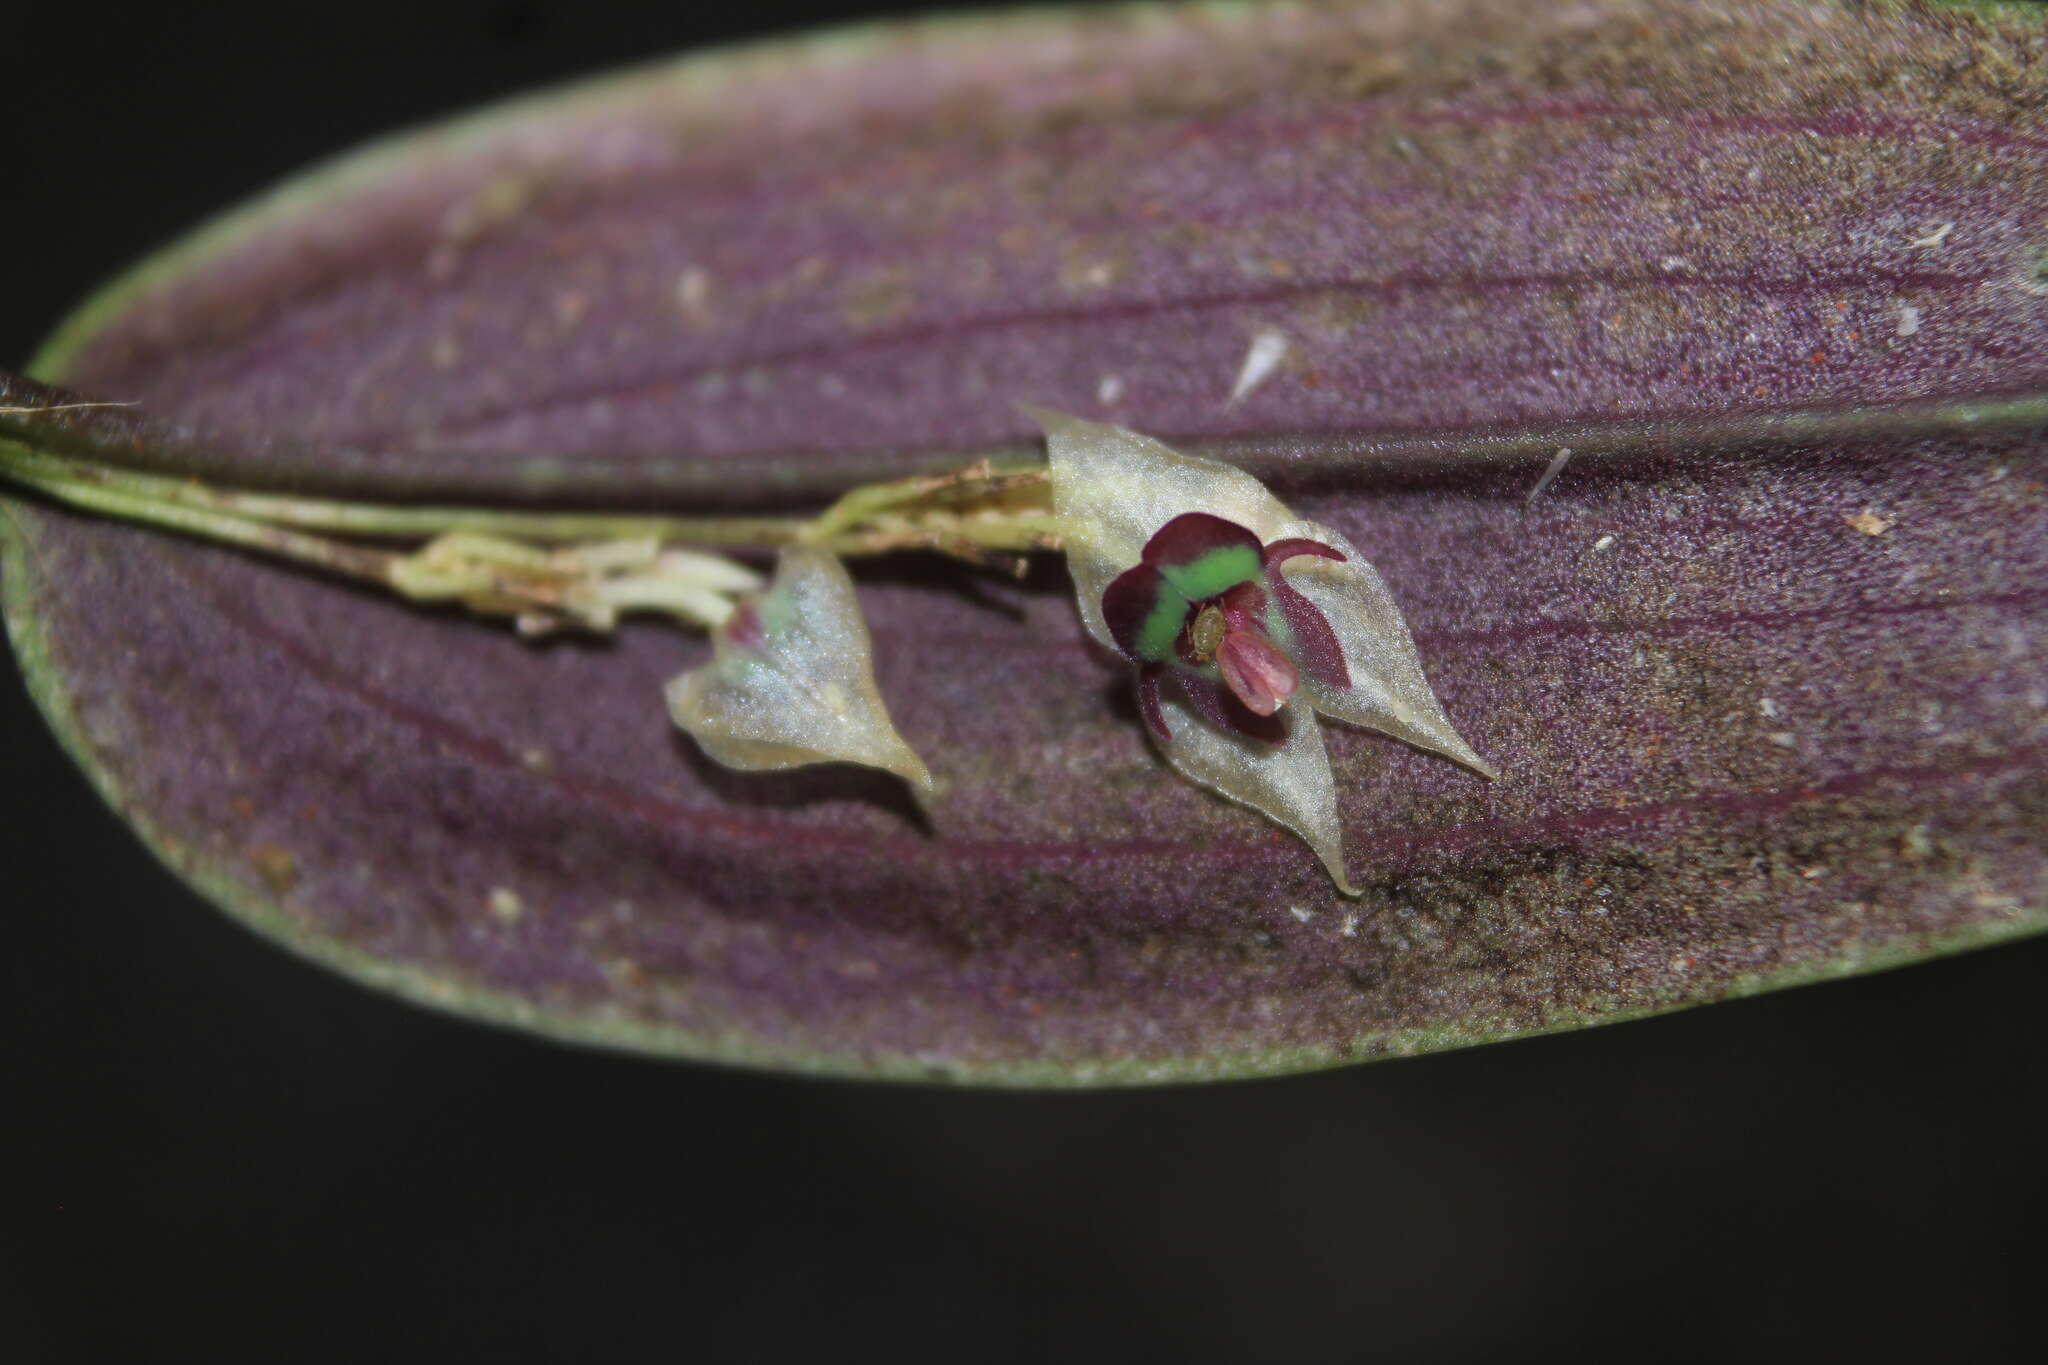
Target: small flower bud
[(791, 680)]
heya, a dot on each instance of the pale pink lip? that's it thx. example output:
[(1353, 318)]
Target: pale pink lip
[(1256, 671)]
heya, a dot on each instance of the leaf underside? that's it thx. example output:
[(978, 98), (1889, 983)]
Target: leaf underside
[(1767, 710)]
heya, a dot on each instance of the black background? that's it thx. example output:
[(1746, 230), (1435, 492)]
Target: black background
[(213, 1152)]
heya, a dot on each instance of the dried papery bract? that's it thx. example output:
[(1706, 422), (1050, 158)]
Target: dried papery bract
[(791, 680), (1113, 492), (585, 586)]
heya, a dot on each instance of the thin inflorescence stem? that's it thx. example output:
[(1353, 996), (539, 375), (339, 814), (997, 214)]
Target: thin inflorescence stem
[(206, 523), (556, 570), (396, 522)]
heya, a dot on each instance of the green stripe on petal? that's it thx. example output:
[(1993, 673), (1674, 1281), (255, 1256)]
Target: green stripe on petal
[(1214, 571), (1162, 626)]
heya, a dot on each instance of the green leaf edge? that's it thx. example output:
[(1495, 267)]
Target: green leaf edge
[(244, 901)]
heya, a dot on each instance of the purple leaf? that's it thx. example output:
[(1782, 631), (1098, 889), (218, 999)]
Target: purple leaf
[(1763, 666)]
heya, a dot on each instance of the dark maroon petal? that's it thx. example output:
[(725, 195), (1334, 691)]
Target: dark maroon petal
[(1282, 550), (1191, 535), (1148, 701), (1309, 638), (1129, 602), (1763, 671), (1214, 703)]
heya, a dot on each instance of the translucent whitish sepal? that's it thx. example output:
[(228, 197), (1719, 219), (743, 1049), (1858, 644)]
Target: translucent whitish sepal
[(791, 680)]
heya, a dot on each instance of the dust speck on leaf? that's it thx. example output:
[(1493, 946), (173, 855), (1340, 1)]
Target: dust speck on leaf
[(497, 203), (2034, 280), (505, 905), (1261, 359), (277, 867), (878, 297), (693, 294), (1557, 464), (1081, 273), (571, 307), (1870, 523)]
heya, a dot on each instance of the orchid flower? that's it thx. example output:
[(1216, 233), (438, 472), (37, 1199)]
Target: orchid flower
[(1242, 621)]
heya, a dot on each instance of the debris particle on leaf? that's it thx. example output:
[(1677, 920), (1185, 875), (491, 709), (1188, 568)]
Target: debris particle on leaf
[(1936, 237), (1870, 523), (1557, 464), (693, 293), (505, 904), (1261, 359), (276, 865)]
